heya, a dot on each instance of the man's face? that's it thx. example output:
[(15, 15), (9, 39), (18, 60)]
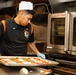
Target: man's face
[(25, 19)]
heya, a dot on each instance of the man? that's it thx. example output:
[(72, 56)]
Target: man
[(17, 33)]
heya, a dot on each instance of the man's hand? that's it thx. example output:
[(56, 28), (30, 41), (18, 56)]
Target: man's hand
[(41, 55)]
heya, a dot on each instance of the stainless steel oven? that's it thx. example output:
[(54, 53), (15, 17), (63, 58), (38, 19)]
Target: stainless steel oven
[(72, 40), (58, 32)]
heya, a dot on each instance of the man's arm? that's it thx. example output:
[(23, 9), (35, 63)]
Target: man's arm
[(35, 50), (32, 45)]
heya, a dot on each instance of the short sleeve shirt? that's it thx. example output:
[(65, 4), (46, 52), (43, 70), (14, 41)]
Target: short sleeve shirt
[(16, 38)]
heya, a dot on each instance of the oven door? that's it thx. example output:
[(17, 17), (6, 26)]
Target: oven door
[(58, 31), (72, 41)]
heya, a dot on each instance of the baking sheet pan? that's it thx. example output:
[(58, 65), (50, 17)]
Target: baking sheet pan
[(26, 61), (15, 70)]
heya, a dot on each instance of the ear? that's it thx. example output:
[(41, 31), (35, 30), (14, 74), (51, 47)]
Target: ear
[(21, 13)]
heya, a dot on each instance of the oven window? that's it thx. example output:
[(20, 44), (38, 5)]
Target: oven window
[(57, 31), (74, 31)]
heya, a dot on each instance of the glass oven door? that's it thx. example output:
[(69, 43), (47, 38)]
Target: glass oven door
[(72, 42), (58, 31)]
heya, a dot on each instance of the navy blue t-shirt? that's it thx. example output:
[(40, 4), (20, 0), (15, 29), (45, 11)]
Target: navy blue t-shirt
[(15, 39)]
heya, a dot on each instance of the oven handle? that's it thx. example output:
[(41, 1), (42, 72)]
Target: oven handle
[(67, 23)]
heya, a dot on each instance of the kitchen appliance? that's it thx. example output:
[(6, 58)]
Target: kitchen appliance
[(62, 46), (72, 40), (58, 32), (61, 41)]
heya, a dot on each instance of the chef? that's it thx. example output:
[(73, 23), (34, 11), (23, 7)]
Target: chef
[(17, 33)]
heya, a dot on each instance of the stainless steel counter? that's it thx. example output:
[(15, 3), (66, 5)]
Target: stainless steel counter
[(13, 70)]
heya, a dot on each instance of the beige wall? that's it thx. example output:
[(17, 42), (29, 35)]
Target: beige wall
[(40, 35)]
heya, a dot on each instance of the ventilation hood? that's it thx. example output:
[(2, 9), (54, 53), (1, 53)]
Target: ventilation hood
[(6, 4), (62, 5)]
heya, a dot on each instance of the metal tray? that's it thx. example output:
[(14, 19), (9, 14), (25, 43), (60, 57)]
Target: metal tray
[(15, 70), (26, 61)]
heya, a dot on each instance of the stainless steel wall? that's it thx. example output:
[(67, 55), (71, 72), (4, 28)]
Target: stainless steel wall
[(62, 5)]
